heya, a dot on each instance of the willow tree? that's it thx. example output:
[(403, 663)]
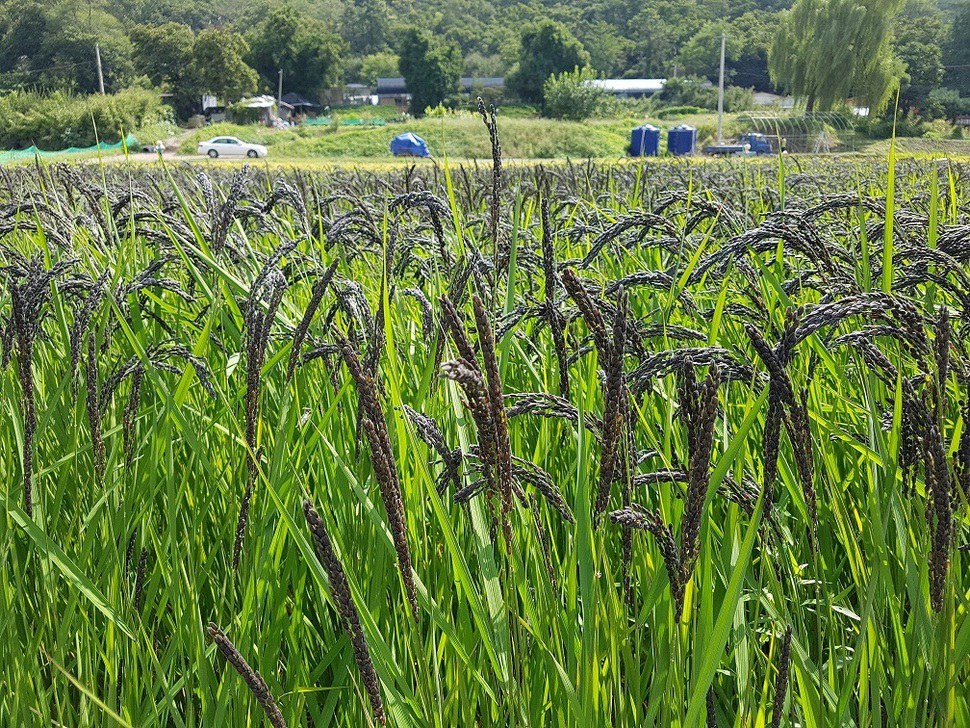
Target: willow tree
[(826, 51)]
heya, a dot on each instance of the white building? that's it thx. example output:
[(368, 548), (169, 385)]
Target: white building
[(630, 88)]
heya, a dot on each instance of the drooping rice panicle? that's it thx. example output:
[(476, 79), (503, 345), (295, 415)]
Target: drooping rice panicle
[(349, 616), (254, 681)]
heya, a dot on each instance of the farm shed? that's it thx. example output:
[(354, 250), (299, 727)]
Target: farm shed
[(296, 105)]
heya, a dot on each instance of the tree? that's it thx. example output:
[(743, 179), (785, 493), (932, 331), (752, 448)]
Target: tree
[(68, 49), (748, 39), (957, 52), (366, 26), (306, 50), (918, 32), (945, 103), (571, 96), (606, 47), (25, 26), (162, 52), (701, 55), (749, 68), (378, 65), (217, 66), (547, 48), (826, 51), (431, 68), (52, 46)]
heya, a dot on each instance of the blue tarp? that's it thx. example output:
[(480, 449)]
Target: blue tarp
[(409, 144)]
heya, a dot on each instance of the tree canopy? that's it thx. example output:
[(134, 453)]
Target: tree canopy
[(307, 51), (547, 48), (218, 66), (431, 68), (823, 51), (826, 51)]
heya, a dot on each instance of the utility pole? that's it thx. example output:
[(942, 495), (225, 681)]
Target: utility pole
[(279, 91), (97, 57), (720, 94)]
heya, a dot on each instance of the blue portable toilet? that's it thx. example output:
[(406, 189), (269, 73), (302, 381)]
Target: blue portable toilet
[(681, 140), (409, 144), (645, 141)]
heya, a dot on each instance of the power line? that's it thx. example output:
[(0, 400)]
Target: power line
[(58, 66)]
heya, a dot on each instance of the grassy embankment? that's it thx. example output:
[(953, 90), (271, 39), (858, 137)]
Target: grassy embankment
[(457, 136)]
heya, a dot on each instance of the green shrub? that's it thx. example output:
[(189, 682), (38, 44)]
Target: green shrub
[(945, 103), (737, 98), (572, 96), (60, 119), (674, 111), (688, 92)]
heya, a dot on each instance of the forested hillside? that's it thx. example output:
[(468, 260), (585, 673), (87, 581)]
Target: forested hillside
[(189, 47)]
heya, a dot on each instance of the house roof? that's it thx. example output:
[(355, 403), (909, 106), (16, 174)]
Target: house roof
[(630, 85), (260, 102), (295, 99), (470, 82), (396, 86), (391, 86)]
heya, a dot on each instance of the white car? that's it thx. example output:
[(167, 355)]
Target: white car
[(231, 147)]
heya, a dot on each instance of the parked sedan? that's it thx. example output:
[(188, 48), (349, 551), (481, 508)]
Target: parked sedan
[(231, 147)]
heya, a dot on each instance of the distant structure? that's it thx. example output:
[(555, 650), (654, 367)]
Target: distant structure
[(630, 88), (763, 98), (394, 91), (266, 108), (296, 105)]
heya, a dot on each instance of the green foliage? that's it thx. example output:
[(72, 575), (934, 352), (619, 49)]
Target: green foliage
[(945, 103), (672, 112), (163, 54), (52, 45), (826, 51), (366, 26), (218, 66), (737, 98), (919, 32), (747, 40), (307, 51), (547, 48), (688, 91), (49, 43), (566, 623), (700, 56), (61, 119), (377, 65), (697, 93), (431, 68), (957, 52), (572, 96), (608, 49)]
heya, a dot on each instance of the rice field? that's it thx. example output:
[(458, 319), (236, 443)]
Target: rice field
[(591, 444)]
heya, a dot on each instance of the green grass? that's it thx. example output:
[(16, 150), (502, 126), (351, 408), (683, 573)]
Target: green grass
[(459, 137), (497, 642)]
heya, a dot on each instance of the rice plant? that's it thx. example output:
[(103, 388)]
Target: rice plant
[(627, 444)]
